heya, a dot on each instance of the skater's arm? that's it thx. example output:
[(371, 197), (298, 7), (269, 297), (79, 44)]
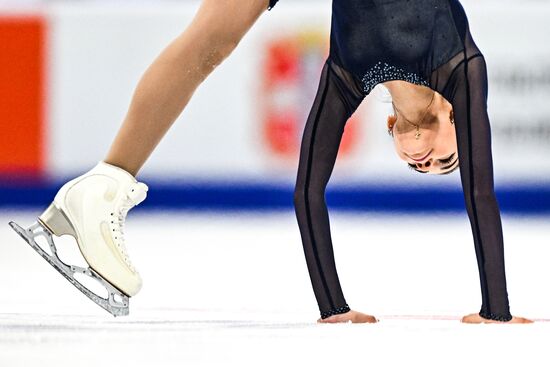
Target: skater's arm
[(338, 96), (168, 84), (476, 168)]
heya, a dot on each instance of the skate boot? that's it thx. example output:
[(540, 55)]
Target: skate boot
[(92, 208)]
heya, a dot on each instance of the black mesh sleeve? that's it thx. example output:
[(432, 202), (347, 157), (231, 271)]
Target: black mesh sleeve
[(467, 90), (469, 102), (338, 97)]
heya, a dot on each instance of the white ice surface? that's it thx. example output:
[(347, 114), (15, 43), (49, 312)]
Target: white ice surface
[(224, 290)]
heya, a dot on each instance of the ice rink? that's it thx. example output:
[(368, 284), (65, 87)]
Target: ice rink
[(233, 290)]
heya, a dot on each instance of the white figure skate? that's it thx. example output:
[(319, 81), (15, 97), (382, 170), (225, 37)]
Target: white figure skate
[(92, 208)]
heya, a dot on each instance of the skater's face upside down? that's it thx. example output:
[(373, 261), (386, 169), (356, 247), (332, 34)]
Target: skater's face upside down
[(431, 147)]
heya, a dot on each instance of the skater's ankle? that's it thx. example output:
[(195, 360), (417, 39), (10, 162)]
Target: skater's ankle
[(120, 165)]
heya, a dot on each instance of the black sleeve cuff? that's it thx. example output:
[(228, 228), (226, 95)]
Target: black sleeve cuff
[(494, 316), (272, 4), (336, 311)]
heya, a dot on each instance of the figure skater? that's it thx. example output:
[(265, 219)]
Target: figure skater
[(423, 52)]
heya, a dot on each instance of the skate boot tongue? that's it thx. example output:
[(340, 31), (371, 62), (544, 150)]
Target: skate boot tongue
[(137, 193), (134, 196)]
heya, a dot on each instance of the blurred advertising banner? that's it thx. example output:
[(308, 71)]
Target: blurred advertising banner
[(290, 73), (68, 74), (22, 95)]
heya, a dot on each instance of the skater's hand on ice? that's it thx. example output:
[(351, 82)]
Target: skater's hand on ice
[(351, 316), (474, 318)]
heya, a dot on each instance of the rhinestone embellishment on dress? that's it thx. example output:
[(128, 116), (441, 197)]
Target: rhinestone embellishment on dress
[(382, 72)]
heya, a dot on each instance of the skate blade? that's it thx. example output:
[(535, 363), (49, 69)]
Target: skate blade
[(117, 303)]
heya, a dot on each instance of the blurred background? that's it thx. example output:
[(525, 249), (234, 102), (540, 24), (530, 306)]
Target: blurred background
[(68, 70)]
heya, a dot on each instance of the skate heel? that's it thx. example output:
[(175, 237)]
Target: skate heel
[(56, 221)]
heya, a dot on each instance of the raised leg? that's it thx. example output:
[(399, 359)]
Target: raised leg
[(169, 83)]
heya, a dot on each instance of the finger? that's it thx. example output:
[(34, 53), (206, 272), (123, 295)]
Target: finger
[(363, 318), (471, 319), (522, 320)]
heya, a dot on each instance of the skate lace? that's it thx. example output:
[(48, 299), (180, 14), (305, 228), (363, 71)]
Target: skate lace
[(134, 196)]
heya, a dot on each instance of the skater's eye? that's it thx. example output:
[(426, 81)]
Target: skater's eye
[(450, 170), (448, 166), (447, 160)]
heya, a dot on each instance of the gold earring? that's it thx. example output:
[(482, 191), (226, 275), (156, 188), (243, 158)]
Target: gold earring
[(390, 125), (452, 117)]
